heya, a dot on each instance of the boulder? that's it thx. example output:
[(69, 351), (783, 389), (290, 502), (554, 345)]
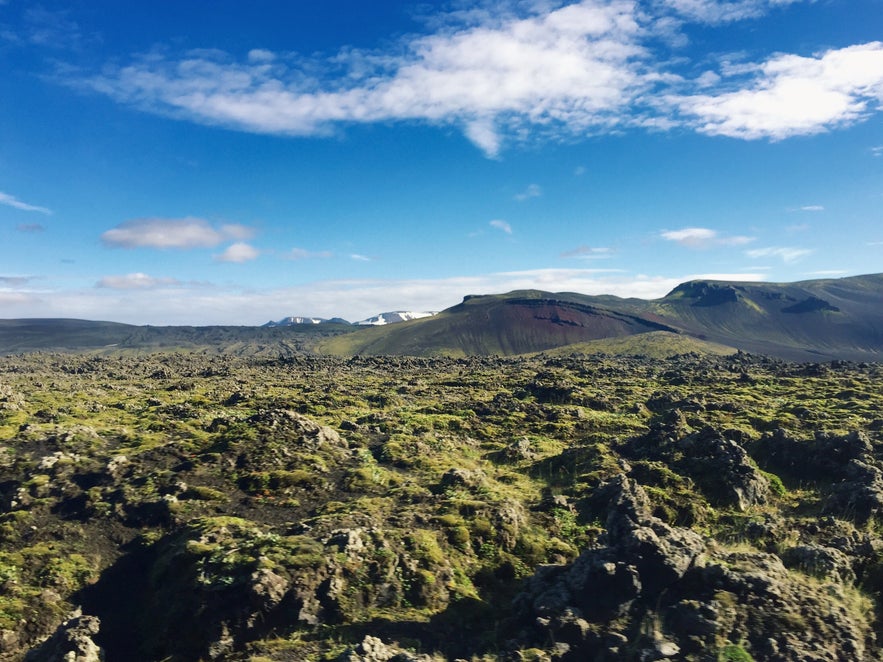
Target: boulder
[(71, 642)]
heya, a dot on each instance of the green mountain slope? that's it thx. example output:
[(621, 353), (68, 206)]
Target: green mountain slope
[(810, 320), (833, 318), (30, 335), (516, 323)]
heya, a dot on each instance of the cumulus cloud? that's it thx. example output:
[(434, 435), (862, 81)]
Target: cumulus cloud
[(786, 253), (239, 252), (532, 191), (15, 203), (877, 151), (588, 253), (135, 281), (704, 238), (791, 95), (501, 225), (164, 233), (578, 65), (522, 71)]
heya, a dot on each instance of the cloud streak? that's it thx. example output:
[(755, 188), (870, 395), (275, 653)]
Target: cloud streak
[(532, 191), (15, 203), (174, 233), (588, 253), (787, 254), (502, 226), (136, 281), (701, 238)]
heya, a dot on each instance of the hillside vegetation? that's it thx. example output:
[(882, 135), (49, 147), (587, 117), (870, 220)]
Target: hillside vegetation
[(812, 320), (178, 506)]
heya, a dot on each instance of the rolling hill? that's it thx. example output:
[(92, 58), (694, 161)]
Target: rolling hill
[(809, 320), (815, 320)]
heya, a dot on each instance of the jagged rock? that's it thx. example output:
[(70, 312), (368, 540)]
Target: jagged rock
[(660, 553), (859, 496), (518, 451), (267, 589), (824, 457), (780, 615), (468, 478), (291, 423), (509, 518), (819, 561), (71, 642), (642, 558), (723, 470)]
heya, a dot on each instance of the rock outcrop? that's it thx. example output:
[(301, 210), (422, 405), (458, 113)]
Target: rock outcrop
[(652, 591)]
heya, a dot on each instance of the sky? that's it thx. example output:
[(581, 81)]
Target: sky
[(227, 162)]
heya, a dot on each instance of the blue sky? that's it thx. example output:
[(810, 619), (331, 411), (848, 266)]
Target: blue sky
[(229, 162)]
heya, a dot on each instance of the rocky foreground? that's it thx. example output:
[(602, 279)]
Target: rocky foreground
[(180, 507)]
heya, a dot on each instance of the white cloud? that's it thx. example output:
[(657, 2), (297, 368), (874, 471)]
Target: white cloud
[(577, 65), (704, 238), (788, 254), (517, 71), (12, 201), (812, 208), (532, 191), (877, 151), (588, 253), (722, 11), (792, 95), (239, 252), (17, 298), (501, 225), (172, 233), (360, 258), (135, 281)]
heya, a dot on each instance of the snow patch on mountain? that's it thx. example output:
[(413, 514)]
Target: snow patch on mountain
[(294, 321), (394, 317)]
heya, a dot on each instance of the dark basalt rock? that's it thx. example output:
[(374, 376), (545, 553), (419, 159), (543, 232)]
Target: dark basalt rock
[(71, 642)]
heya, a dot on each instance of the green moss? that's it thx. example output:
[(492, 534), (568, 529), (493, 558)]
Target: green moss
[(734, 653)]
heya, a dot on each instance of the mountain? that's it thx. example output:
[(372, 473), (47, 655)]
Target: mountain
[(295, 321), (809, 320), (814, 320), (393, 318), (31, 335)]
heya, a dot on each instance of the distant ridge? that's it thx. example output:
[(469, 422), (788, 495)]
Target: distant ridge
[(814, 320), (296, 321)]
